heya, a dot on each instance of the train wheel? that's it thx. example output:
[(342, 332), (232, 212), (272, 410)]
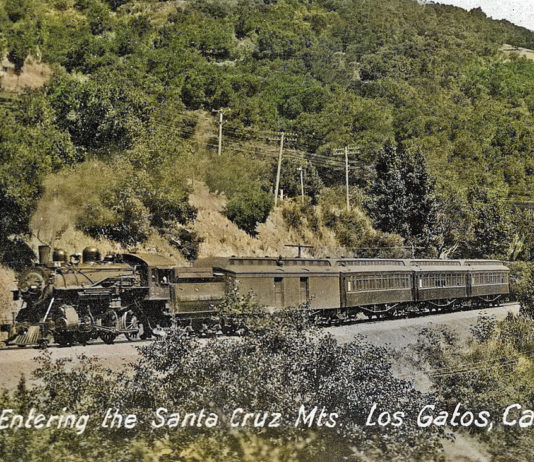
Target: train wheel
[(85, 331), (83, 337), (109, 320), (64, 338), (108, 337), (131, 324)]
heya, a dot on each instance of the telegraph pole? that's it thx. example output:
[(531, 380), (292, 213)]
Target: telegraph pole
[(279, 168), (282, 136), (221, 114), (301, 170), (347, 175), (347, 150)]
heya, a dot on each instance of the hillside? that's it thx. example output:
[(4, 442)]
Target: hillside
[(437, 116)]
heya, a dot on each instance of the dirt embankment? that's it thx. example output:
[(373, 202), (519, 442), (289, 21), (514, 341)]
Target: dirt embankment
[(34, 74), (224, 238)]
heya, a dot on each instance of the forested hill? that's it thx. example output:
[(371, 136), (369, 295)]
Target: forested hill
[(441, 119)]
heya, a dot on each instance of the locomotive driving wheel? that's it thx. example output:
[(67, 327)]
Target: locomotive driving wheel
[(130, 323), (109, 323)]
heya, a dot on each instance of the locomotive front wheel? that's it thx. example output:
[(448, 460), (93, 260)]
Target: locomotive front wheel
[(109, 320), (108, 337), (63, 338)]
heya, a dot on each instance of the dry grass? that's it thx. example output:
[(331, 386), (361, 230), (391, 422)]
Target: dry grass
[(224, 238), (34, 75), (522, 52), (66, 195)]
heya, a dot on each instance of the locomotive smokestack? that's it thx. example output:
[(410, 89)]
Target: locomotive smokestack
[(44, 254)]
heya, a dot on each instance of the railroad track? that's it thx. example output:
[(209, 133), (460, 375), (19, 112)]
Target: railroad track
[(354, 322)]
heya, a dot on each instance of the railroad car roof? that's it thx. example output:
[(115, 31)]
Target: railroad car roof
[(489, 267), (276, 270), (150, 259), (186, 272), (359, 262), (346, 265), (375, 269)]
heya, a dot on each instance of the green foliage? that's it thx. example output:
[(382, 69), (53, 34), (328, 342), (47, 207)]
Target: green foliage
[(404, 201), (30, 147), (290, 178), (427, 78), (232, 174), (492, 227), (522, 286), (120, 217), (279, 366), (98, 115), (247, 209), (133, 204), (301, 214), (493, 373), (186, 241)]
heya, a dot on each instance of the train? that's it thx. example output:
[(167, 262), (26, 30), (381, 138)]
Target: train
[(85, 296)]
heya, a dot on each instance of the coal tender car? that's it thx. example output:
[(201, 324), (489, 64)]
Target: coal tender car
[(83, 297)]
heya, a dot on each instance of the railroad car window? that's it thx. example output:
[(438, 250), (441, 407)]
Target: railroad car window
[(489, 278), (378, 282)]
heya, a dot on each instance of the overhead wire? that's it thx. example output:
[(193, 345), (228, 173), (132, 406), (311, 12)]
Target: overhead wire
[(263, 136)]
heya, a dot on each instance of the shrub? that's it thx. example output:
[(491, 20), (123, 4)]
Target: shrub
[(246, 210), (280, 367), (187, 242)]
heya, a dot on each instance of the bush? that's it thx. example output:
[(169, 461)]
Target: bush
[(246, 210), (187, 242), (493, 373), (280, 367), (522, 286)]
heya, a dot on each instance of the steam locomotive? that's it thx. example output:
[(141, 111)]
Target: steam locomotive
[(76, 299)]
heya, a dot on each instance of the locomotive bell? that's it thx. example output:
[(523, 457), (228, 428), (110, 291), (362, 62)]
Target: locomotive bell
[(59, 255), (90, 254)]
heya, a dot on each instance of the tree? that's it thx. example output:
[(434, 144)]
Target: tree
[(403, 199), (30, 148), (492, 231)]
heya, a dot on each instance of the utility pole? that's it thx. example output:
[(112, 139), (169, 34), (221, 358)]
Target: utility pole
[(301, 170), (279, 168), (281, 136), (221, 114), (347, 150)]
